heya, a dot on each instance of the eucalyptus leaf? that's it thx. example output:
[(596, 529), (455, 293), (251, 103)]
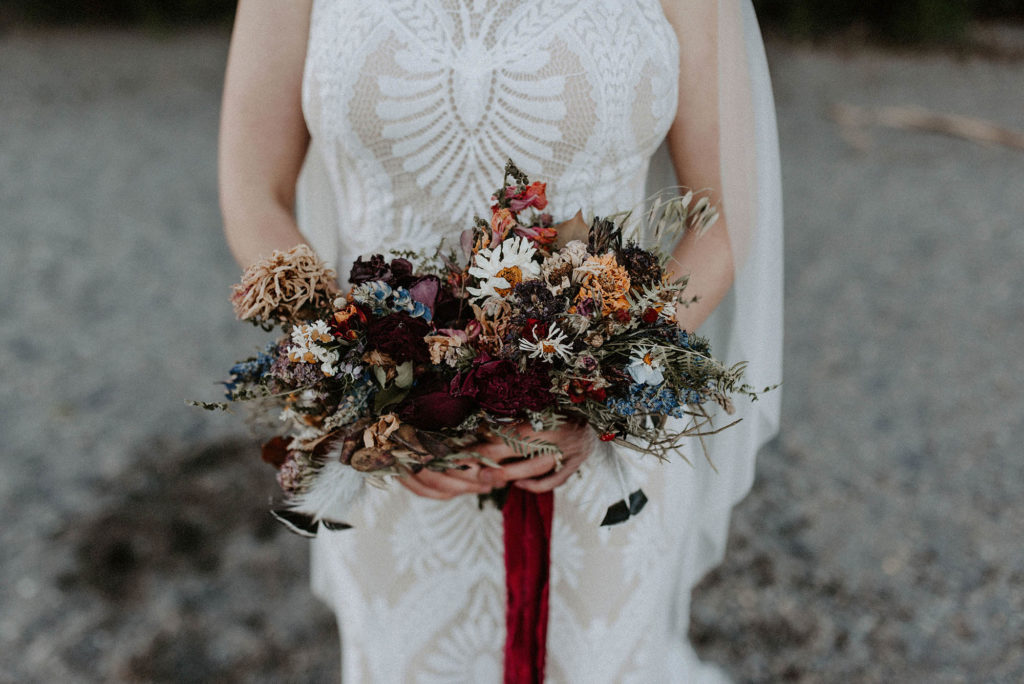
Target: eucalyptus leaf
[(404, 377), (388, 396)]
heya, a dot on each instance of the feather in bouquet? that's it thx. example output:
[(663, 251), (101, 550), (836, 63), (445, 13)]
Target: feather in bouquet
[(536, 323)]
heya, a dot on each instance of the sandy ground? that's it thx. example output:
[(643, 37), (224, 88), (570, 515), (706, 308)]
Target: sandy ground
[(882, 541)]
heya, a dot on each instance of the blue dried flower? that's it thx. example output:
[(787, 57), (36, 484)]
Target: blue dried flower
[(354, 404), (374, 295), (250, 371), (692, 341), (403, 301), (382, 300), (648, 399)]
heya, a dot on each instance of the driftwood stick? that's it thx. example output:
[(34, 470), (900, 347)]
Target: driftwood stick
[(854, 119)]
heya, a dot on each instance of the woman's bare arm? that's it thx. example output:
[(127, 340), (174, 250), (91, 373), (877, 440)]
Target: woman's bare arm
[(263, 137), (693, 142)]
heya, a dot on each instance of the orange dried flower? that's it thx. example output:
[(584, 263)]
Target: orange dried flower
[(502, 223), (346, 319), (604, 281)]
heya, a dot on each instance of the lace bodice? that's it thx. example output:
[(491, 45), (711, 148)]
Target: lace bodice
[(414, 105)]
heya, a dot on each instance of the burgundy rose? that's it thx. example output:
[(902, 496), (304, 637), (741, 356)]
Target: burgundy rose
[(364, 271), (400, 270), (400, 336), (436, 410), (379, 269), (430, 406), (499, 387), (450, 311)]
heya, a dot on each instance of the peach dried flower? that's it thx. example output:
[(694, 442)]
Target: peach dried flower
[(286, 286)]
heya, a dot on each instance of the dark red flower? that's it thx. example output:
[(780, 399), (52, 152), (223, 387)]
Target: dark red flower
[(533, 329), (436, 410), (581, 390), (400, 269), (499, 387), (275, 452), (400, 336), (374, 269), (378, 269), (650, 315)]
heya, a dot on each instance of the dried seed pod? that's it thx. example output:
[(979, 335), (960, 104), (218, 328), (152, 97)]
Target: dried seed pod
[(436, 447), (349, 446), (369, 459), (352, 440), (406, 435)]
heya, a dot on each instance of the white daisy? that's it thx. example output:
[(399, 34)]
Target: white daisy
[(319, 332), (502, 268), (552, 344), (645, 368), (328, 359), (306, 350)]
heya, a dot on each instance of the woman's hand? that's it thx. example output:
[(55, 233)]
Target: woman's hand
[(541, 473), (449, 483)]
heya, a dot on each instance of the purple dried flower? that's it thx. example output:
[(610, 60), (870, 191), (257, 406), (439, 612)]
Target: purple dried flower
[(291, 474), (293, 374), (642, 266), (533, 299)]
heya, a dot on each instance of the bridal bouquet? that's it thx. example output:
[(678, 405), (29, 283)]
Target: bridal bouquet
[(428, 354)]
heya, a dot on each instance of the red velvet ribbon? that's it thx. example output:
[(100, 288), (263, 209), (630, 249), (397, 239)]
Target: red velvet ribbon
[(527, 518)]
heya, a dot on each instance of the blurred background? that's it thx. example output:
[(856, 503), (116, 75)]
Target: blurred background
[(882, 541)]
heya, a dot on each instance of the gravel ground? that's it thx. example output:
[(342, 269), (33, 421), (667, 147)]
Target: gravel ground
[(881, 542)]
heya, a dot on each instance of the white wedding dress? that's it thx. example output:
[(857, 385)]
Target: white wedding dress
[(413, 107)]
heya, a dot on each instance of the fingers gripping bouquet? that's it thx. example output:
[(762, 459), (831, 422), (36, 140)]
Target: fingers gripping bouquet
[(537, 323)]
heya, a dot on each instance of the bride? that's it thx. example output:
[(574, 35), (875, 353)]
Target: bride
[(365, 127)]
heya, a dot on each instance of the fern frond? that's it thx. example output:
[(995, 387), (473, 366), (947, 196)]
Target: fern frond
[(527, 447)]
